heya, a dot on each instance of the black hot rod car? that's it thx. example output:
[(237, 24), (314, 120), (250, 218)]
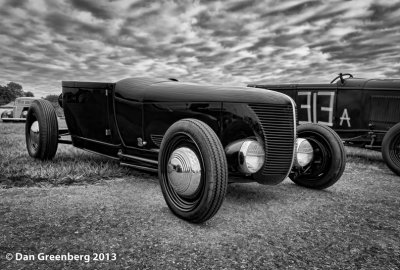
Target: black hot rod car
[(192, 135), (365, 113)]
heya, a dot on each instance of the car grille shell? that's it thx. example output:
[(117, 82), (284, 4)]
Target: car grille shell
[(279, 131)]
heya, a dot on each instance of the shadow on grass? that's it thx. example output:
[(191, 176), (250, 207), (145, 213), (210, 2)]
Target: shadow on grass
[(21, 181)]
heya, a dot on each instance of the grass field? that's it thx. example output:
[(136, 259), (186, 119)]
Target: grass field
[(82, 204)]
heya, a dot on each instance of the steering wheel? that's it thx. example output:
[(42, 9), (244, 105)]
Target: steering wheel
[(341, 77)]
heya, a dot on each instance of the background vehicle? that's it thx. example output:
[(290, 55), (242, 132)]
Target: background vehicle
[(364, 112), (192, 135), (19, 111)]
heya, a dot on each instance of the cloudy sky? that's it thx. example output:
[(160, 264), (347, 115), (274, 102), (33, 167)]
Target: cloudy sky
[(43, 42)]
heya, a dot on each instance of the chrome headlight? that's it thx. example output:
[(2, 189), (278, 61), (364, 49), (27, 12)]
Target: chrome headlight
[(246, 156), (24, 114), (251, 156), (304, 152)]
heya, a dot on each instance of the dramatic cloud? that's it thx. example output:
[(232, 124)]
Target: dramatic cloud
[(43, 42)]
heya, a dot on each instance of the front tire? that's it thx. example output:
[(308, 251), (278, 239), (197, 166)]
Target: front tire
[(41, 130), (391, 149), (329, 160), (192, 170)]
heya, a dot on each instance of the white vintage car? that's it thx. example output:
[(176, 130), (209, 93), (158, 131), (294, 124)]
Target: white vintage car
[(19, 110)]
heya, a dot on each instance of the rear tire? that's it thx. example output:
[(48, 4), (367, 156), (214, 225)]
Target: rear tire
[(41, 130), (192, 170), (391, 149), (329, 160)]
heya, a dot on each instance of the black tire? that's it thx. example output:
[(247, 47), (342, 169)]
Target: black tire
[(205, 201), (41, 144), (329, 160), (391, 149)]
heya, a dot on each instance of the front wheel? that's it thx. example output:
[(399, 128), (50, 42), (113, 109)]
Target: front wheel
[(41, 130), (192, 170), (329, 160), (391, 149)]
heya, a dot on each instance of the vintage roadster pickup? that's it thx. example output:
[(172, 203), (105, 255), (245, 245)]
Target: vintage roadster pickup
[(364, 112), (192, 135)]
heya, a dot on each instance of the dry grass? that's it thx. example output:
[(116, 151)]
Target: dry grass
[(352, 225)]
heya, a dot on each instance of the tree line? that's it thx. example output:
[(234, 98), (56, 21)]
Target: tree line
[(11, 91)]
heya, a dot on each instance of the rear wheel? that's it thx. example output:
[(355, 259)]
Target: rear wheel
[(192, 170), (329, 159), (41, 130), (391, 148)]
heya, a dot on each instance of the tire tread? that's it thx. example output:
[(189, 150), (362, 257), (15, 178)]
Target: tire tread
[(48, 129)]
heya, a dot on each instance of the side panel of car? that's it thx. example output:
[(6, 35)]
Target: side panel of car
[(352, 115), (88, 112), (129, 119), (316, 104)]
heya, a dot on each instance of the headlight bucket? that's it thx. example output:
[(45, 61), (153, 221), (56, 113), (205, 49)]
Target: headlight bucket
[(304, 152)]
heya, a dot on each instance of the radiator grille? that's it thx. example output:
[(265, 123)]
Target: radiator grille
[(385, 110), (277, 122)]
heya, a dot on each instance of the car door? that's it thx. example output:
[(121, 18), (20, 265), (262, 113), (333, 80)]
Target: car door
[(129, 119), (87, 109)]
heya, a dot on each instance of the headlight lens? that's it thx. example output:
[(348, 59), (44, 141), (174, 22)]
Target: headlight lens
[(304, 152), (251, 156), (24, 113)]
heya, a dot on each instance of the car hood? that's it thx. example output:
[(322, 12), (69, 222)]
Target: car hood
[(163, 90)]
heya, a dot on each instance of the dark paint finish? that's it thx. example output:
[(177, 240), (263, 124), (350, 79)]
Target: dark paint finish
[(128, 119), (92, 103), (153, 90), (161, 115), (361, 111)]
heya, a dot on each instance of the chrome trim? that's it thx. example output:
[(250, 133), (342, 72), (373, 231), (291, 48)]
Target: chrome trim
[(299, 141), (295, 134), (96, 141), (13, 119), (243, 153), (155, 162), (138, 167), (152, 150), (97, 153)]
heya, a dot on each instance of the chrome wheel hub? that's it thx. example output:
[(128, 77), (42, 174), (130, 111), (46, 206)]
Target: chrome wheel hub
[(34, 134), (184, 171)]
